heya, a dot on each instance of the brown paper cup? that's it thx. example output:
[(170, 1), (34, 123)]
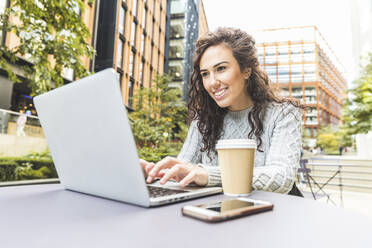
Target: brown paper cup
[(236, 161)]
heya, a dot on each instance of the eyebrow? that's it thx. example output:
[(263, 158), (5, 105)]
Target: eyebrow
[(215, 65)]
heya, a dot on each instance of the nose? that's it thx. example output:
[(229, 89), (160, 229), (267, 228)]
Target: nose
[(214, 81)]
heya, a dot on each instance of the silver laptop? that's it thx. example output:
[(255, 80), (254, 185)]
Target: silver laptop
[(93, 149)]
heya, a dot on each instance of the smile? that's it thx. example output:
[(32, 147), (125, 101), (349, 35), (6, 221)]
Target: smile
[(220, 93)]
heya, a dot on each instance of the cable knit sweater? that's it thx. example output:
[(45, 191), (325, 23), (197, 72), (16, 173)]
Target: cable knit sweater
[(275, 167)]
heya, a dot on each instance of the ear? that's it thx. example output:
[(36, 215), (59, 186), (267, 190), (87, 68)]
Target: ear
[(247, 72)]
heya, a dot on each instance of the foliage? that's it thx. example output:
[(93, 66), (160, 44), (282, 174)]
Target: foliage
[(52, 36), (31, 166), (328, 140), (345, 138), (358, 112), (159, 120)]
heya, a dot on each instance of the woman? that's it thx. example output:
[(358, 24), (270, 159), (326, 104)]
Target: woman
[(230, 97)]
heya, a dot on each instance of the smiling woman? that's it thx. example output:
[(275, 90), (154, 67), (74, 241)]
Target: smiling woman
[(230, 98), (223, 80)]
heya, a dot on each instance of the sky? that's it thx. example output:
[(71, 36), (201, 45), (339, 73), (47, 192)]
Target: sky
[(332, 18)]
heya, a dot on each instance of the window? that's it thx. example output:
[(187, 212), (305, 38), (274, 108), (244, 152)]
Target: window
[(296, 57), (283, 78), (154, 8), (131, 64), (176, 48), (309, 68), (309, 48), (176, 69), (143, 44), (177, 28), (153, 30), (130, 90), (121, 20), (160, 59), (134, 9), (120, 79), (178, 6), (270, 51), (151, 72), (296, 49), (119, 53), (144, 18), (133, 34), (270, 69), (283, 70), (142, 66), (152, 52)]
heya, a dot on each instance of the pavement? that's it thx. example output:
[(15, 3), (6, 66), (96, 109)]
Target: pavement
[(354, 201)]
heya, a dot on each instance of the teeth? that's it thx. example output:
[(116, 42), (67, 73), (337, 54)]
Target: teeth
[(220, 93)]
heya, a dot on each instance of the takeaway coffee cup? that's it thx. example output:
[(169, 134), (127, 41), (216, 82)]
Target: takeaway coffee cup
[(236, 161)]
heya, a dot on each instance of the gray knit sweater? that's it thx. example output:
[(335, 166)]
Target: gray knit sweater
[(275, 167)]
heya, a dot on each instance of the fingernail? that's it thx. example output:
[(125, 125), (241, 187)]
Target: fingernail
[(148, 180)]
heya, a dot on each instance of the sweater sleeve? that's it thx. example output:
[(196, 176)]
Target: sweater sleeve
[(279, 172), (190, 151)]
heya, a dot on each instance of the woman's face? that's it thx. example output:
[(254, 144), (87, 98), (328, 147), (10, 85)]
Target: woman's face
[(223, 79)]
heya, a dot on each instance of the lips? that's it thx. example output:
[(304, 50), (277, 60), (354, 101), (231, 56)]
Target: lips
[(220, 93)]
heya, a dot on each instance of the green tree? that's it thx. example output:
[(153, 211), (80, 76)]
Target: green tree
[(52, 36), (358, 112), (345, 139), (159, 120), (328, 140)]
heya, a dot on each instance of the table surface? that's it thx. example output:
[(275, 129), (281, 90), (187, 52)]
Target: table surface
[(49, 216)]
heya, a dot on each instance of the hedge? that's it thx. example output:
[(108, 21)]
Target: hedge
[(24, 168)]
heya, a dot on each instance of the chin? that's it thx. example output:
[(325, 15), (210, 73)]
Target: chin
[(222, 104)]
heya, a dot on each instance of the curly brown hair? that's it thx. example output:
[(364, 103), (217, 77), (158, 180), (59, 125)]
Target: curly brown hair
[(203, 108)]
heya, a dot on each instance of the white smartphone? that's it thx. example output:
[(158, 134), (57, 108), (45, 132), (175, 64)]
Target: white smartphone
[(226, 209)]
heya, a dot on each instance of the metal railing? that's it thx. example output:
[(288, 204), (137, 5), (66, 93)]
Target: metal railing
[(19, 124)]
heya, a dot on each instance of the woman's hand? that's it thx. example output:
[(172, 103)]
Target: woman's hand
[(182, 172), (146, 167)]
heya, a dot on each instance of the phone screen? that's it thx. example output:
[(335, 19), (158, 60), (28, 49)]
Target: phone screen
[(228, 205)]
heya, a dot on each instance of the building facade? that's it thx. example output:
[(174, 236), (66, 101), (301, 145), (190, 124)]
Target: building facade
[(300, 64), (187, 22), (131, 39)]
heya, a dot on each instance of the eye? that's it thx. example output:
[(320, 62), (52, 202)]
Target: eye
[(204, 74), (221, 68)]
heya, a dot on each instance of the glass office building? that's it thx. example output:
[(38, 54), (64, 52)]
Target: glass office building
[(187, 21), (300, 64)]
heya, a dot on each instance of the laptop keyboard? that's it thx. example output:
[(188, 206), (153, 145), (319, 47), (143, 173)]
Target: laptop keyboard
[(157, 191)]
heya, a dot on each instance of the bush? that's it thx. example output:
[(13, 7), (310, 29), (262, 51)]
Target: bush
[(7, 170), (31, 166)]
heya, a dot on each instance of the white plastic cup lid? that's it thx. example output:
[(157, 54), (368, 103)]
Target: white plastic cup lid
[(236, 144)]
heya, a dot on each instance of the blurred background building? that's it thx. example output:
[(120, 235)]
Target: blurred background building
[(301, 65), (187, 23), (138, 38), (131, 39), (143, 38)]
